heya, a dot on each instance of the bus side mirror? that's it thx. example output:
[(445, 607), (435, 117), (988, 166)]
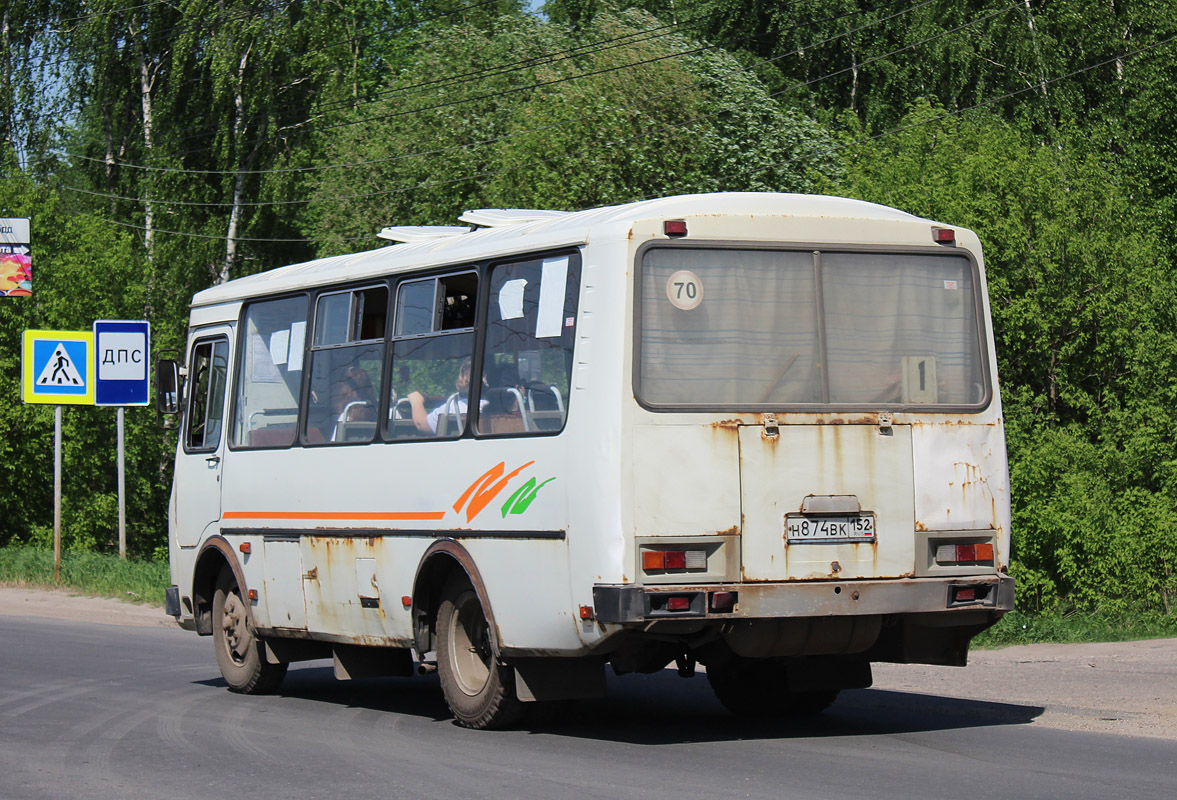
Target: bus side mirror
[(167, 387)]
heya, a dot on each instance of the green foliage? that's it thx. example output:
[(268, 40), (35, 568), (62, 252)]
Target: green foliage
[(1074, 627), (86, 572), (160, 148), (571, 125), (83, 270), (1081, 290)]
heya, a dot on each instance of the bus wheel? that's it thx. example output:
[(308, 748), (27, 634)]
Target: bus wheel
[(759, 688), (239, 654), (478, 689)]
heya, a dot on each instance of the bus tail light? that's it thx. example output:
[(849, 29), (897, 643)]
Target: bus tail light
[(675, 227), (969, 595), (943, 235), (964, 553), (724, 601), (673, 560), (678, 604)]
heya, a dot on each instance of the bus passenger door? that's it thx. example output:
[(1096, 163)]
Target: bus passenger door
[(202, 443)]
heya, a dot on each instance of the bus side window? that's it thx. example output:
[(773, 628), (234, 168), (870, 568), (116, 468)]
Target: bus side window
[(206, 395), (531, 324), (270, 374), (346, 362), (432, 350)]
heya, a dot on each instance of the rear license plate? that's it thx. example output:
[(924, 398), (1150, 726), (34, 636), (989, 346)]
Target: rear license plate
[(800, 529)]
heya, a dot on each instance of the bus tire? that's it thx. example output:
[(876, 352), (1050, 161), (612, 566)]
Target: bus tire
[(238, 650), (759, 688), (479, 690)]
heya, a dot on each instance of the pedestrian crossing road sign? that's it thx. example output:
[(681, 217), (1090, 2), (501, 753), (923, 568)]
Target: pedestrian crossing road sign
[(58, 367)]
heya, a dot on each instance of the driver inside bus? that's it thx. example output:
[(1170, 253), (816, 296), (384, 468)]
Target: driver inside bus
[(454, 406)]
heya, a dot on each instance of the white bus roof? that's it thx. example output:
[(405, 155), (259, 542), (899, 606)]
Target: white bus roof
[(509, 231)]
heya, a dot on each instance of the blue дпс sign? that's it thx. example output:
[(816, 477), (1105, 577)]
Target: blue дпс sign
[(122, 351)]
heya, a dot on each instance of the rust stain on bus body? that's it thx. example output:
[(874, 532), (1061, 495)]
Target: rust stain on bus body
[(971, 481), (807, 418), (334, 596)]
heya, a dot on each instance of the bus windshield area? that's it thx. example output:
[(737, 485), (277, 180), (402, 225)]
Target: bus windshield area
[(757, 327)]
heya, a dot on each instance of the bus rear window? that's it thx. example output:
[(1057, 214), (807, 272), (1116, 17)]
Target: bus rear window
[(748, 328)]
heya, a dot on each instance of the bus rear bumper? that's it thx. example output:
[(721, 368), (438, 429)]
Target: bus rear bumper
[(958, 594)]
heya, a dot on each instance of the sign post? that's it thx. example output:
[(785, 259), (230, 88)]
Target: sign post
[(121, 348), (57, 367), (57, 494)]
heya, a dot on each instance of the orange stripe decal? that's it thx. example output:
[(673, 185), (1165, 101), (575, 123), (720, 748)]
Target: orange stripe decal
[(353, 515), (482, 491)]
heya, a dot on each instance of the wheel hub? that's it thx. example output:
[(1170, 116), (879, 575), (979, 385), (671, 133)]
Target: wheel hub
[(236, 626), (472, 656)]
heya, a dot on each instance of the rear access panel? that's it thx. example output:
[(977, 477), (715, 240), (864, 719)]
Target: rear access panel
[(842, 493)]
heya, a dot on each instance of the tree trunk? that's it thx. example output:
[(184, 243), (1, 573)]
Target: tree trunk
[(1034, 42), (853, 75), (7, 95), (146, 84), (111, 161), (226, 272)]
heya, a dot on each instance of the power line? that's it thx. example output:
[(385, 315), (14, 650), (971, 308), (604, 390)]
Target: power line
[(455, 80), (1041, 85), (495, 173), (217, 236), (613, 143), (494, 95), (92, 15), (649, 34), (208, 24)]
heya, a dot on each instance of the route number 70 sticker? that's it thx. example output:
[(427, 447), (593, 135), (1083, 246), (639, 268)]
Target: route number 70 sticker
[(684, 290)]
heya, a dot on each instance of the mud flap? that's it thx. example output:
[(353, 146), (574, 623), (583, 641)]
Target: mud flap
[(818, 673), (558, 678)]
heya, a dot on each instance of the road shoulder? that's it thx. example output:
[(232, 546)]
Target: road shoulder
[(22, 601)]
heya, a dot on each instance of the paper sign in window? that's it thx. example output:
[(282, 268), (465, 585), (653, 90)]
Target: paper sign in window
[(511, 299), (263, 369), (279, 347), (298, 335), (552, 288)]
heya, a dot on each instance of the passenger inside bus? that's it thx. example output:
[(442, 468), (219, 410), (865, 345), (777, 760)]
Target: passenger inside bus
[(449, 417), (353, 401)]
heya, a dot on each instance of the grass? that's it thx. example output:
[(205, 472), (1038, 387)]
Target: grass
[(1068, 627), (93, 574)]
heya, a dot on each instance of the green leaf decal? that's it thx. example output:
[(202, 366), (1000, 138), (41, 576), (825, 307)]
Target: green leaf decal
[(518, 502)]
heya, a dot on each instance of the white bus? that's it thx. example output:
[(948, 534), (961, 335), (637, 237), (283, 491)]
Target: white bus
[(760, 432)]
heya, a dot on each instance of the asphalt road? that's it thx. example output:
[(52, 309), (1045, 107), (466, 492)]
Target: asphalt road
[(104, 711)]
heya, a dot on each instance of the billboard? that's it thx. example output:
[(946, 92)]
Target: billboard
[(16, 262)]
